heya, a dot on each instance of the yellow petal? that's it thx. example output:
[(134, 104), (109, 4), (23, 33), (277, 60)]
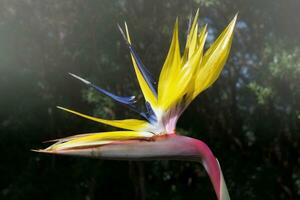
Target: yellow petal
[(96, 139), (191, 39), (202, 37), (129, 124), (200, 45), (182, 81), (170, 68), (193, 43), (214, 60)]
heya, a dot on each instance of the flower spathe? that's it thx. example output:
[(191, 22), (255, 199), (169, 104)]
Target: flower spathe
[(182, 78)]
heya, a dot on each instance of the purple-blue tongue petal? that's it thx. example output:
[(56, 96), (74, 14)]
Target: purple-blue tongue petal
[(128, 101), (121, 99), (146, 74), (150, 113)]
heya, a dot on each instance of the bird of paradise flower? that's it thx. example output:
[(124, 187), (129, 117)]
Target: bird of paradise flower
[(182, 78)]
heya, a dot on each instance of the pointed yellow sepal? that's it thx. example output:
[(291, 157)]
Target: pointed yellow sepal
[(146, 90), (96, 139), (191, 42), (129, 124), (214, 60), (170, 71)]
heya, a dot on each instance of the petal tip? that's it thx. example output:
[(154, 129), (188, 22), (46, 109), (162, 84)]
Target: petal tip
[(40, 150), (61, 108), (79, 78)]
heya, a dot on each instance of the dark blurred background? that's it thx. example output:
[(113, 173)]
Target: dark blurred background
[(250, 117)]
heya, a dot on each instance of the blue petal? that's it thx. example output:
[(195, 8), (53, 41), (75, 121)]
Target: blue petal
[(147, 76), (121, 99), (150, 113)]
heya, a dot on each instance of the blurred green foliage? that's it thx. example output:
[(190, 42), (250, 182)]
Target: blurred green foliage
[(250, 117), (262, 93)]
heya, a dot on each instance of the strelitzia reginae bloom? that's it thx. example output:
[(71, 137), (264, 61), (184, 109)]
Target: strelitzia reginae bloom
[(182, 78)]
